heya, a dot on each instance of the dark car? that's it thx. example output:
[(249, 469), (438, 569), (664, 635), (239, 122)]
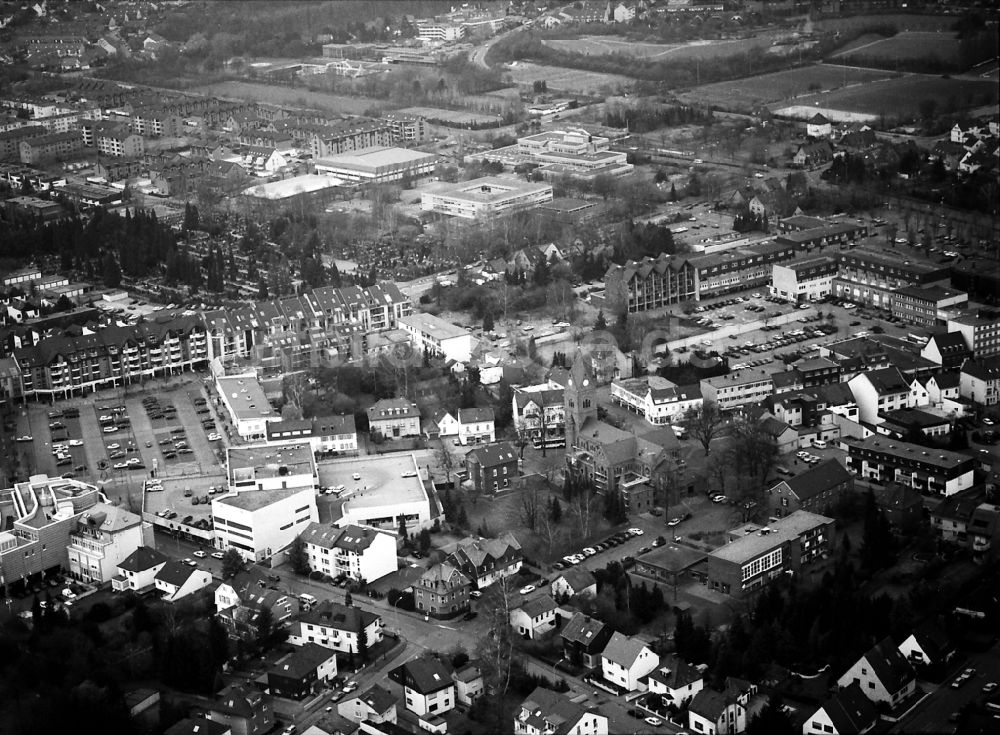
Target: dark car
[(471, 615)]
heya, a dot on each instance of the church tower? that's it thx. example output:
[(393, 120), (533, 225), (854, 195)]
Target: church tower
[(580, 397)]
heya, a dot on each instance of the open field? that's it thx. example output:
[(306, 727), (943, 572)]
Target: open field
[(746, 94), (904, 47), (901, 96), (901, 21), (604, 45), (568, 80), (457, 117), (277, 94)]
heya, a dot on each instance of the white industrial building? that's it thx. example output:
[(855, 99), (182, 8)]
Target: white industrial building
[(378, 165), (271, 499), (248, 407), (380, 490), (485, 197)]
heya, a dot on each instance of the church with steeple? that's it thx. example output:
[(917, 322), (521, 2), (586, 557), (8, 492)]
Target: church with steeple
[(603, 455)]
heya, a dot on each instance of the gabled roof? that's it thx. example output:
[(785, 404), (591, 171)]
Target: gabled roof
[(538, 606), (142, 559), (889, 665), (981, 370), (174, 573), (932, 640), (850, 710), (816, 480), (475, 415), (334, 615), (678, 674), (578, 579), (198, 726), (945, 380), (709, 704), (427, 674), (550, 712), (623, 650), (582, 629), (378, 698), (494, 454), (349, 538), (888, 380)]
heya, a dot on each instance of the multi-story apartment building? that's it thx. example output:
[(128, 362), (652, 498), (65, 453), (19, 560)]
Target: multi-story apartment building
[(119, 144), (539, 414), (870, 276), (434, 32), (755, 555), (325, 434), (151, 122), (359, 552), (51, 147), (656, 399), (105, 535), (929, 470), (667, 279), (981, 332), (406, 129), (59, 367), (10, 140), (737, 388), (437, 337), (926, 306), (350, 137), (442, 591), (808, 279), (43, 514), (485, 198)]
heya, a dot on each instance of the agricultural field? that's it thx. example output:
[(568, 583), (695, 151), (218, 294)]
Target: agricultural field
[(277, 94), (744, 95), (901, 97), (711, 49), (902, 22), (561, 79), (902, 48)]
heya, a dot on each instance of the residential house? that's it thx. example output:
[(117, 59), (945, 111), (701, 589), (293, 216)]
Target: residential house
[(394, 418), (819, 126), (878, 391), (584, 639), (485, 561), (883, 673), (469, 684), (198, 726), (535, 617), (979, 381), (539, 414), (676, 681), (362, 553), (138, 570), (656, 399), (847, 712), (441, 423), (240, 599), (475, 426), (375, 704), (937, 471), (813, 153), (442, 591), (243, 709), (927, 645), (299, 674), (817, 490), (716, 713), (493, 467), (343, 628), (176, 580), (572, 582), (545, 712), (105, 535), (427, 686), (944, 392), (968, 520), (784, 437), (625, 661)]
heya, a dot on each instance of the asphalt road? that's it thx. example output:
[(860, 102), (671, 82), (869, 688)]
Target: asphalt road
[(931, 715)]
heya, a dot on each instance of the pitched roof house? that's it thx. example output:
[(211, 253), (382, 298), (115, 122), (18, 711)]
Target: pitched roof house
[(883, 673), (714, 713), (427, 685), (815, 490), (625, 661), (544, 712), (176, 580), (535, 617), (927, 645), (584, 639), (675, 680), (484, 561), (848, 712), (574, 581)]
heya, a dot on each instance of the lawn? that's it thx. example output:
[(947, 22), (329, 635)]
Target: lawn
[(903, 47), (456, 117), (901, 97), (744, 95), (710, 49), (561, 79), (277, 94)]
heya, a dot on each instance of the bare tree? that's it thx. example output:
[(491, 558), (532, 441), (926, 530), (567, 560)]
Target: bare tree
[(549, 531), (754, 455), (528, 506), (705, 424), (444, 459), (584, 508), (496, 650)]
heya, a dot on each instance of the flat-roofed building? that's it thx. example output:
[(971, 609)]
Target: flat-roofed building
[(737, 388), (926, 306), (325, 434), (381, 492), (247, 404), (307, 190), (981, 332), (485, 197), (755, 554), (437, 337), (841, 234), (378, 165), (105, 535), (808, 279), (271, 499), (926, 469), (870, 276)]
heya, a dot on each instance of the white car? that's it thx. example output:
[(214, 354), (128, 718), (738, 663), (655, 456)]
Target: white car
[(636, 531), (475, 594), (356, 475), (107, 418), (191, 562), (25, 438), (75, 443), (589, 551), (802, 454), (214, 437), (200, 554), (217, 555), (525, 590), (115, 445), (121, 465), (570, 559), (134, 460), (110, 429), (69, 594)]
